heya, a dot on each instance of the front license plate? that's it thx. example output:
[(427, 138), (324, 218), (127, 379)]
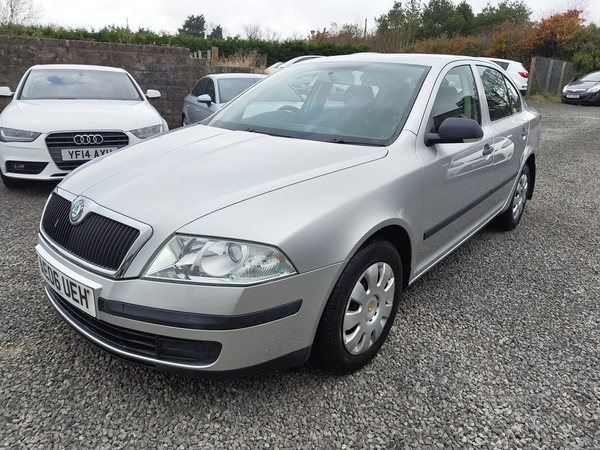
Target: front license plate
[(83, 154), (572, 96), (76, 293)]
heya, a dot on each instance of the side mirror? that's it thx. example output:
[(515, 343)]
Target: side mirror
[(151, 94), (6, 92), (204, 98), (455, 130)]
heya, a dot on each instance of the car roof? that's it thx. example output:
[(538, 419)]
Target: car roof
[(77, 67), (220, 76), (423, 59)]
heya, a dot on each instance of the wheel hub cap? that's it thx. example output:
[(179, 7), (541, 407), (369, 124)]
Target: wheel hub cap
[(368, 308)]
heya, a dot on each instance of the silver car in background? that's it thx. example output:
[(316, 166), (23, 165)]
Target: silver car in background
[(212, 92), (288, 225)]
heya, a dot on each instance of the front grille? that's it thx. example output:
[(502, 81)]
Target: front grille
[(96, 239), (140, 343), (63, 141)]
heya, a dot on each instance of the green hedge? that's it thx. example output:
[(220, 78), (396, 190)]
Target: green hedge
[(275, 51)]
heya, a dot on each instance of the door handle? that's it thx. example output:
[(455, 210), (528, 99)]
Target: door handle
[(524, 132), (487, 149)]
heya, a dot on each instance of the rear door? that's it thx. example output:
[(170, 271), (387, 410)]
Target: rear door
[(510, 127), (457, 177)]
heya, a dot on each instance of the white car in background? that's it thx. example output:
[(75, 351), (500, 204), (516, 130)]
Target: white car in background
[(62, 116), (269, 70), (291, 62), (517, 71)]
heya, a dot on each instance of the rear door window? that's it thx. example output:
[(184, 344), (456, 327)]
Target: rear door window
[(496, 93)]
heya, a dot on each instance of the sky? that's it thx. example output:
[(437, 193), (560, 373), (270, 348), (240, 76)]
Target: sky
[(285, 18)]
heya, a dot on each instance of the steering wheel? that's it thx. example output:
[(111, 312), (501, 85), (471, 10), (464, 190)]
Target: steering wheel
[(291, 108)]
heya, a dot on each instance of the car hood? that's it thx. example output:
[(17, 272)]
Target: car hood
[(180, 176), (45, 116), (584, 85)]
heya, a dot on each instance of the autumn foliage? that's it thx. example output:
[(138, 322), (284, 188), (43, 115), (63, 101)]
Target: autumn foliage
[(550, 36)]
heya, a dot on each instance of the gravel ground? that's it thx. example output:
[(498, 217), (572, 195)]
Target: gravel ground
[(497, 347)]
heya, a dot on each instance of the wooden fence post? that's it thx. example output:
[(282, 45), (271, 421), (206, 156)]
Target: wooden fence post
[(562, 78), (548, 77), (215, 56), (531, 74)]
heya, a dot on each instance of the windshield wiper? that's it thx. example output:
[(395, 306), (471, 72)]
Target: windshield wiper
[(254, 130), (352, 142)]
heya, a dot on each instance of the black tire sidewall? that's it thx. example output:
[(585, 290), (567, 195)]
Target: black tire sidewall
[(515, 221), (378, 251)]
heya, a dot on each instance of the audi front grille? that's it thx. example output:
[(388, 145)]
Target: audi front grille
[(82, 140)]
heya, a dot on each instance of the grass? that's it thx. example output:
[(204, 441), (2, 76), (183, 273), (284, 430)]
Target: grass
[(545, 98), (246, 58)]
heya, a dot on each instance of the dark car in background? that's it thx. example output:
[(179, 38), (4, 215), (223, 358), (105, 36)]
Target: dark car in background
[(585, 91)]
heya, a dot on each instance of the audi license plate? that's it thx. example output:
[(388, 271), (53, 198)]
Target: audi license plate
[(77, 294), (572, 96), (83, 154)]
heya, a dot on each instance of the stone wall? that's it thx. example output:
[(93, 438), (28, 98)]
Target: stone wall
[(167, 69)]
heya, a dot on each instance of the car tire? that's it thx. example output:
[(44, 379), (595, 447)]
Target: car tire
[(184, 120), (510, 218), (360, 311), (13, 183)]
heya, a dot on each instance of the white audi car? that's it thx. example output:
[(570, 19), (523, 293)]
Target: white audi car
[(62, 116)]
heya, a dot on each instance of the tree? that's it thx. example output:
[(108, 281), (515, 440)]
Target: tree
[(398, 28), (216, 33), (194, 26), (550, 36), (507, 13), (20, 12)]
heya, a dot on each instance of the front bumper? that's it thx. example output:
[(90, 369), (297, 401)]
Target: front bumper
[(208, 330), (589, 98), (36, 159)]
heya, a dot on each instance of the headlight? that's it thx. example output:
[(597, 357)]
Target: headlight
[(146, 132), (594, 89), (12, 135), (565, 88), (205, 260)]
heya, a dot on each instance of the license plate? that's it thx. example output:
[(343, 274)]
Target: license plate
[(83, 154), (572, 96), (77, 294)]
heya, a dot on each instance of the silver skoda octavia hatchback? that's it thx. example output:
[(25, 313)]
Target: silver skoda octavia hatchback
[(287, 225)]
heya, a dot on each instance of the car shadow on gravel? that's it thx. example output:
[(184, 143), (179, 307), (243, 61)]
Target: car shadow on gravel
[(35, 189)]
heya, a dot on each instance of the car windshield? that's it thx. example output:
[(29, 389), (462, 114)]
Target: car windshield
[(350, 103), (595, 76), (78, 84), (229, 88)]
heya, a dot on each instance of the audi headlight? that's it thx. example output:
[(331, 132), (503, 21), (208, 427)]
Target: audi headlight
[(594, 89), (146, 132), (206, 260), (12, 135)]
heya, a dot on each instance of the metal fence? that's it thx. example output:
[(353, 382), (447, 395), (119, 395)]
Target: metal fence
[(549, 76)]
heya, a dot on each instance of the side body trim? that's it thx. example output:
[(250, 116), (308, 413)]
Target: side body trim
[(444, 223), (196, 321)]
